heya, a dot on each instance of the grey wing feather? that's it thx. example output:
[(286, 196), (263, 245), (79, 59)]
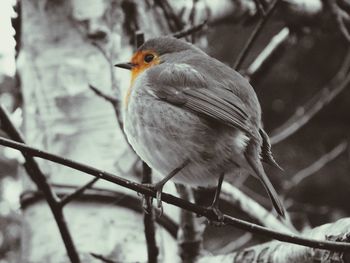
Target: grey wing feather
[(183, 86), (171, 95), (206, 102), (266, 153)]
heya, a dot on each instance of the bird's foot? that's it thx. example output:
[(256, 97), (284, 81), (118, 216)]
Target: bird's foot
[(148, 205), (220, 216)]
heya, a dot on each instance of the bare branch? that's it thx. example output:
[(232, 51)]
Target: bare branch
[(340, 17), (264, 59), (192, 18), (253, 209), (208, 213), (277, 252), (314, 105), (37, 176), (257, 30), (238, 10), (188, 31), (314, 167), (139, 38), (148, 219), (68, 198), (190, 234), (115, 104), (174, 22), (113, 100), (260, 7), (102, 258)]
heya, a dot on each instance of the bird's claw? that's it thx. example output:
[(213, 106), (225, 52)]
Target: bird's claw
[(158, 190), (159, 202), (146, 205)]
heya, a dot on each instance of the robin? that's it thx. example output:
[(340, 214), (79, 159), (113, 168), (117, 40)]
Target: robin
[(194, 119)]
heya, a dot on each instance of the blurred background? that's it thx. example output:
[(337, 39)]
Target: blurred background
[(304, 66)]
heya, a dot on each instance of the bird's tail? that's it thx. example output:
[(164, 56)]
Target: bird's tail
[(255, 163)]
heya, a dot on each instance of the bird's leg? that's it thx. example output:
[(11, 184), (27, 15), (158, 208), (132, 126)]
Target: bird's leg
[(215, 205), (159, 186)]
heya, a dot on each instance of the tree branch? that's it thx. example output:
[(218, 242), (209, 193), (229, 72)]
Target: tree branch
[(260, 7), (148, 218), (314, 105), (188, 31), (314, 167), (265, 58), (233, 195), (68, 198), (201, 211), (139, 38), (37, 176), (115, 104), (174, 22), (113, 100), (102, 258), (242, 55), (340, 17), (277, 252), (190, 234)]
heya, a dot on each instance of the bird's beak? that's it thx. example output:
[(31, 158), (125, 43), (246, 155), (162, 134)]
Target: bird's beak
[(127, 65)]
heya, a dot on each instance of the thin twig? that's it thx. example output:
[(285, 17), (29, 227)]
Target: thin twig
[(260, 7), (148, 218), (340, 16), (139, 38), (254, 209), (113, 100), (68, 198), (115, 104), (314, 167), (190, 234), (266, 56), (199, 210), (275, 251), (102, 258), (188, 31), (315, 104), (174, 22), (37, 176), (192, 19), (258, 28), (345, 6)]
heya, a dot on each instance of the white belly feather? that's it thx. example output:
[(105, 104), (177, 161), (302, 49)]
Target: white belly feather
[(165, 136)]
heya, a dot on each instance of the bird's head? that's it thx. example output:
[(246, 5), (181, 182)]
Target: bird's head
[(154, 52)]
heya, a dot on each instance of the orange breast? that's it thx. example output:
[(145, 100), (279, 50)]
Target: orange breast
[(134, 73), (138, 60)]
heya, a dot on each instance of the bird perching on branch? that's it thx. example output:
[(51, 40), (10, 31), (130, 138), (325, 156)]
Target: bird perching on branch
[(194, 119)]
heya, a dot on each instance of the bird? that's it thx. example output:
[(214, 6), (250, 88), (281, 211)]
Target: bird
[(193, 119)]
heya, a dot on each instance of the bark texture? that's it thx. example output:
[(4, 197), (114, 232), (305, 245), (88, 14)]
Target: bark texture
[(279, 252)]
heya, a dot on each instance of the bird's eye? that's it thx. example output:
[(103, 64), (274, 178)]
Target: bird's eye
[(148, 58)]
